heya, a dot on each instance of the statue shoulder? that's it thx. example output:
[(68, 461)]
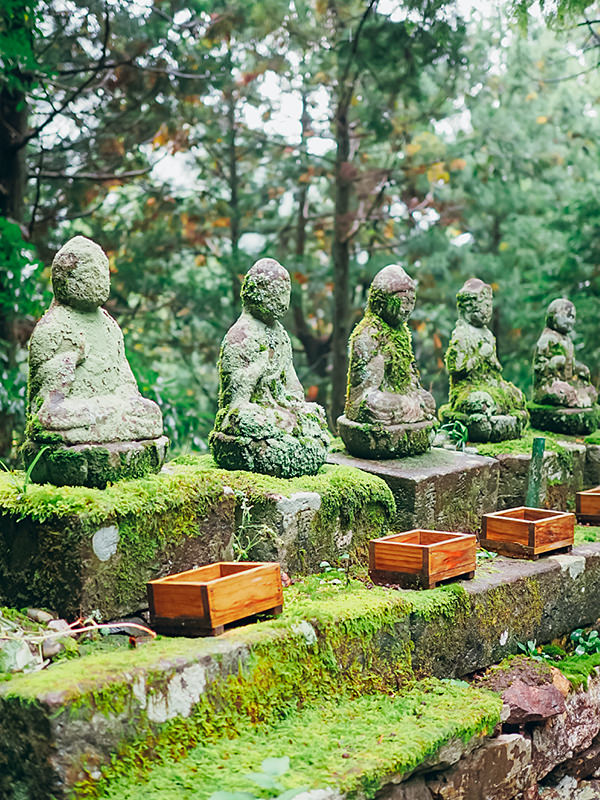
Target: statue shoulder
[(49, 333)]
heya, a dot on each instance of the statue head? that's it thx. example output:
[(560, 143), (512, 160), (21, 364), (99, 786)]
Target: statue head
[(561, 315), (392, 295), (474, 302), (266, 290), (80, 275)]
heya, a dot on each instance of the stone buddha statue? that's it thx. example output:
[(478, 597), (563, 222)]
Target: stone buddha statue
[(387, 414), (263, 423), (492, 408), (564, 400), (83, 402)]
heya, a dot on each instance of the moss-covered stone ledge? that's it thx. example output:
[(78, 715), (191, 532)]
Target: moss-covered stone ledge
[(78, 550), (82, 722)]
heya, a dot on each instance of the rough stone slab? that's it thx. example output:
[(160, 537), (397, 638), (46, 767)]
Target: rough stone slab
[(498, 769), (79, 550), (565, 736), (441, 489), (60, 729), (562, 477)]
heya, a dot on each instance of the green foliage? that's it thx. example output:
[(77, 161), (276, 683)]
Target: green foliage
[(458, 433), (271, 770), (585, 643)]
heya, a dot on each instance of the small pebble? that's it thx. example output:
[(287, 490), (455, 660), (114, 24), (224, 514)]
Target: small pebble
[(37, 615), (51, 648)]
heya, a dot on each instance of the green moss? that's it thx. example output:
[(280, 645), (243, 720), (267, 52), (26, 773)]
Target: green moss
[(352, 745), (586, 533), (554, 418), (578, 669), (395, 346), (524, 444), (153, 515)]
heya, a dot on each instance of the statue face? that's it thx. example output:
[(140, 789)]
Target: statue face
[(392, 295), (266, 290), (80, 275), (475, 303), (561, 315)]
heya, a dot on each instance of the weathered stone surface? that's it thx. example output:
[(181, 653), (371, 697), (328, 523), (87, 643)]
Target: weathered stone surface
[(81, 389), (592, 465), (564, 398), (562, 477), (413, 789), (492, 408), (263, 423), (568, 734), (569, 789), (499, 769), (387, 414), (580, 766), (442, 489), (532, 703)]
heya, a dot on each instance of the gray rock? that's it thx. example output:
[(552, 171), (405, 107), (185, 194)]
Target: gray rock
[(15, 656)]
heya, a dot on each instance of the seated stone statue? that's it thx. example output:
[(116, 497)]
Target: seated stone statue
[(83, 401), (564, 400), (492, 408), (263, 423), (387, 414)]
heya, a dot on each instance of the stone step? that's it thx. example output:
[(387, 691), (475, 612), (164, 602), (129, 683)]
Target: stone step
[(341, 747), (59, 726)]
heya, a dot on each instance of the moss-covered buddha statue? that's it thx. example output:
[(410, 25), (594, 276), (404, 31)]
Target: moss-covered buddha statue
[(564, 400), (387, 414), (263, 423), (492, 408), (83, 405)]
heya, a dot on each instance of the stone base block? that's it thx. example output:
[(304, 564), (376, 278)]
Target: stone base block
[(78, 550), (571, 421), (484, 428), (385, 441), (562, 476), (94, 465), (441, 489)]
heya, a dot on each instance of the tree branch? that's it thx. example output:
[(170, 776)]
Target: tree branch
[(91, 176)]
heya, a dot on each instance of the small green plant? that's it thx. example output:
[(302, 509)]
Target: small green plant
[(484, 555), (336, 576), (532, 650), (271, 770), (248, 534), (585, 643), (457, 432), (21, 486)]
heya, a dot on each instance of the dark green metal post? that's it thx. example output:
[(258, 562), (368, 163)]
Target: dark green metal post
[(534, 480)]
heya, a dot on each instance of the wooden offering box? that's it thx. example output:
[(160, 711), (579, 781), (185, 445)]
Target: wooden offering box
[(587, 506), (527, 532), (421, 558), (202, 601)]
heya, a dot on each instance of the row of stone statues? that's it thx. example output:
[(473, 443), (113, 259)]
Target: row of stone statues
[(88, 424)]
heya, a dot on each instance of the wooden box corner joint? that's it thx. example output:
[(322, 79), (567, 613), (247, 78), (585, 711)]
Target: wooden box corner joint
[(587, 506)]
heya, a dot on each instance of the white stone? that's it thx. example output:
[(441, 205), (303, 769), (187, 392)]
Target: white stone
[(504, 637), (574, 565), (105, 541), (185, 689), (306, 629)]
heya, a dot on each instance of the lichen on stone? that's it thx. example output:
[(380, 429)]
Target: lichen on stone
[(492, 408), (84, 410), (387, 412), (263, 423)]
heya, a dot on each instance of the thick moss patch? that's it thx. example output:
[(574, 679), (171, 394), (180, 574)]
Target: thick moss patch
[(46, 531), (352, 745), (586, 533), (523, 445)]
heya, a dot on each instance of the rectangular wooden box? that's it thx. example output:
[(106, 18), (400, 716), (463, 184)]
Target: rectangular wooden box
[(587, 506), (527, 532), (421, 557), (205, 599)]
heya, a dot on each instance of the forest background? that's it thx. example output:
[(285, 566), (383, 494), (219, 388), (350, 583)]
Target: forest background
[(191, 138)]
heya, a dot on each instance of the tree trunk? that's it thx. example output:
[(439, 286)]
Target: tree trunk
[(13, 181), (341, 263), (234, 206)]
